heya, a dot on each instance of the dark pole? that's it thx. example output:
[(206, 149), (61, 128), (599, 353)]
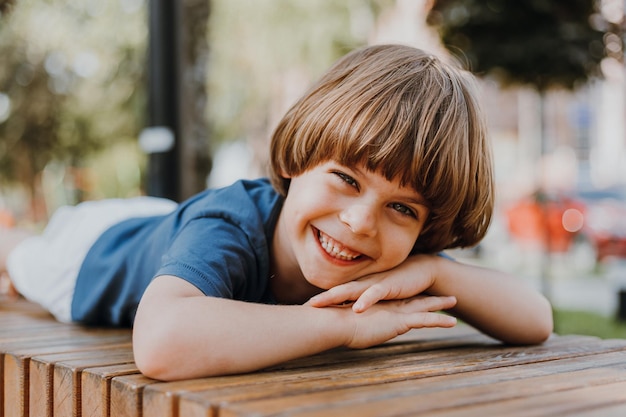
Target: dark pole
[(160, 138)]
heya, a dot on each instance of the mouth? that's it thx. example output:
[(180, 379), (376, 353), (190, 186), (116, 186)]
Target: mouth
[(336, 249)]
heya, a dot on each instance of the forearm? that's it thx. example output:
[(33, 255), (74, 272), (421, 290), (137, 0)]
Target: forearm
[(204, 336), (180, 333), (494, 302)]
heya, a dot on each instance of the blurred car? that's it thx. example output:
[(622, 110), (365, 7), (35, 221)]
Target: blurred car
[(556, 220)]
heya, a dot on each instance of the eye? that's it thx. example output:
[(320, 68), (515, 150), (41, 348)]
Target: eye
[(402, 209), (347, 179)]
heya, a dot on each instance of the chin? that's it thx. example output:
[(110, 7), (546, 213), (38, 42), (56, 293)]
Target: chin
[(324, 284)]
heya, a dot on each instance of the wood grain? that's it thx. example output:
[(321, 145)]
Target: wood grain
[(96, 388), (53, 369), (126, 395)]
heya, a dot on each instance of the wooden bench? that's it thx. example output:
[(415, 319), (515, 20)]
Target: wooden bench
[(54, 369)]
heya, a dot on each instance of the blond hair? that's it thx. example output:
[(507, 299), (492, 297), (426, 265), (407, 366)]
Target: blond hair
[(403, 113)]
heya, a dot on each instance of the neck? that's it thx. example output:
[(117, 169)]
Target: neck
[(288, 284), (287, 291)]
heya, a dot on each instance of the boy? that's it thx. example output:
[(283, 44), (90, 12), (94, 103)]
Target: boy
[(379, 167)]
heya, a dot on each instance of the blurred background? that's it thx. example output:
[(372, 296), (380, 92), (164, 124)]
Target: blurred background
[(129, 97)]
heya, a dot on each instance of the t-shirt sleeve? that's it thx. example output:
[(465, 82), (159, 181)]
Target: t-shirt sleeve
[(214, 255)]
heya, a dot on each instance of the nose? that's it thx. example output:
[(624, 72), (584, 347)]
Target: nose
[(360, 218)]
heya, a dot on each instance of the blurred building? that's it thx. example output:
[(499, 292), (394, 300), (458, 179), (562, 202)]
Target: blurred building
[(580, 143)]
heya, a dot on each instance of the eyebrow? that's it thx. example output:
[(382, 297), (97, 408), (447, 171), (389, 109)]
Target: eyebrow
[(409, 198), (421, 201)]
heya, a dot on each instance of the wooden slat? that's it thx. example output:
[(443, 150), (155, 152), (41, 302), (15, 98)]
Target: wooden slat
[(159, 398), (558, 403), (613, 410), (10, 306), (52, 378), (423, 396), (49, 368), (25, 325), (384, 370), (68, 377), (96, 388), (18, 320), (126, 395), (16, 363), (1, 385)]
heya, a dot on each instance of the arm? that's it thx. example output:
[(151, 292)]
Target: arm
[(181, 333), (495, 302), (492, 301)]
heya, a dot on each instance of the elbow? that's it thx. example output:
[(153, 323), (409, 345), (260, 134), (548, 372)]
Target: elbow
[(159, 355), (544, 322), (545, 330), (151, 357), (166, 354), (150, 366), (539, 334), (535, 334), (538, 327)]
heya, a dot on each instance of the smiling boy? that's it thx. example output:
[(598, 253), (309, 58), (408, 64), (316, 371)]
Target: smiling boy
[(339, 224), (384, 163)]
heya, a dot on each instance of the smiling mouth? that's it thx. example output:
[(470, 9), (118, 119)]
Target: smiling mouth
[(336, 249)]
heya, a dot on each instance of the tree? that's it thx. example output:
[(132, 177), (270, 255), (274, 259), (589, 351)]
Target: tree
[(5, 6), (541, 43), (71, 81), (536, 42)]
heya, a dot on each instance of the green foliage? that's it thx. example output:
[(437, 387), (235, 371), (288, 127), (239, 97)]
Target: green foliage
[(73, 72), (544, 43), (588, 323), (5, 6), (72, 82), (265, 53)]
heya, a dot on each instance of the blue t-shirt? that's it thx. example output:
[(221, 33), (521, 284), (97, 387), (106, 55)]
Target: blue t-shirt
[(218, 240)]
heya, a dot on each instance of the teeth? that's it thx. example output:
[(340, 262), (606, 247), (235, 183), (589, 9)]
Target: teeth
[(336, 249)]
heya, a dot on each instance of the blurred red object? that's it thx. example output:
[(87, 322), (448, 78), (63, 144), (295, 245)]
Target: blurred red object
[(605, 227), (543, 220), (555, 220)]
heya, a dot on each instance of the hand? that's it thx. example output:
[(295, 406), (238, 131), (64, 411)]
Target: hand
[(412, 277), (389, 319)]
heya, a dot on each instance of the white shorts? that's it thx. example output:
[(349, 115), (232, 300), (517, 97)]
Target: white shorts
[(44, 268)]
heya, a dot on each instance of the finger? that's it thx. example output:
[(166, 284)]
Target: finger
[(337, 295), (370, 296), (429, 319), (429, 303), (387, 290)]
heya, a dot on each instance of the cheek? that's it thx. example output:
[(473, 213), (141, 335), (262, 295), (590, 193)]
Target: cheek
[(301, 211), (314, 203), (399, 244)]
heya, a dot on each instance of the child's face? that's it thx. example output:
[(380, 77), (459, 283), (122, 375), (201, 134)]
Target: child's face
[(339, 224)]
